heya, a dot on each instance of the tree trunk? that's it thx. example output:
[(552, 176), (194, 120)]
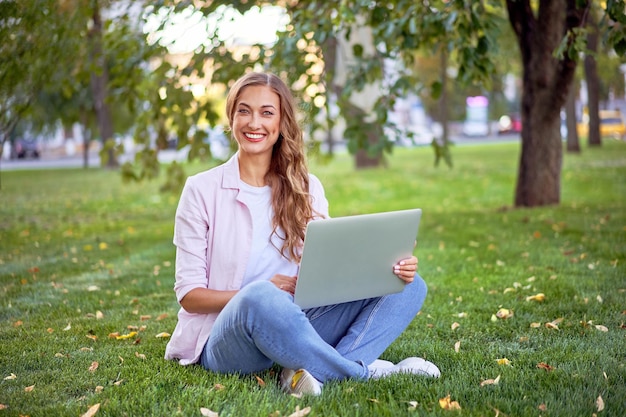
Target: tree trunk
[(443, 100), (364, 157), (361, 103), (86, 137), (329, 50), (99, 84), (573, 144), (593, 83), (546, 81)]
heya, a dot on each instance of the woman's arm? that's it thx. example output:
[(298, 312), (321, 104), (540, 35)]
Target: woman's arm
[(193, 255), (205, 301)]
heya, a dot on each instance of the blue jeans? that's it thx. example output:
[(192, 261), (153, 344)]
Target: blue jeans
[(261, 326)]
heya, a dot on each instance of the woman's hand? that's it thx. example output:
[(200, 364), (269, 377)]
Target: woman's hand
[(284, 282), (406, 269)]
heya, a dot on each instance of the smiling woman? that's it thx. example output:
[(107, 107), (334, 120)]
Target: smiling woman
[(183, 32), (239, 232)]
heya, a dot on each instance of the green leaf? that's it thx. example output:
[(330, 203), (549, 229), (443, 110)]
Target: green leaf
[(357, 50), (435, 89)]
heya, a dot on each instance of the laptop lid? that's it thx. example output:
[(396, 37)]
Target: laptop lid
[(352, 258)]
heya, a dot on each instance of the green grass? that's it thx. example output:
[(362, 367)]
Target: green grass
[(83, 256)]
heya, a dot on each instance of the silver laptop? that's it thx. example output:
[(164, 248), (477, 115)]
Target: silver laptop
[(352, 258)]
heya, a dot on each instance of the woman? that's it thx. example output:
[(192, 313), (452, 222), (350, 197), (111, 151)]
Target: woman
[(238, 233)]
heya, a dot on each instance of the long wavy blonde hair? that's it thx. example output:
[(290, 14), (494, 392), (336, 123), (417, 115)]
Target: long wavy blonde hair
[(288, 175)]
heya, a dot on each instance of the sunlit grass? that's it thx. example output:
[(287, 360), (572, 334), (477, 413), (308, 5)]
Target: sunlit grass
[(83, 256)]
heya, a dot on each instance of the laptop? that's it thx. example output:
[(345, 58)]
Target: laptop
[(352, 258)]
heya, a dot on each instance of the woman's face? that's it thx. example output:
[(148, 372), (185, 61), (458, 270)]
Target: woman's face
[(256, 121)]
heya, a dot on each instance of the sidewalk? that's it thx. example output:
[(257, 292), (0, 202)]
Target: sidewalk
[(50, 158)]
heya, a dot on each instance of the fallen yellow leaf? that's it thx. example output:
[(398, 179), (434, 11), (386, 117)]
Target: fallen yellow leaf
[(602, 328), (29, 388), (535, 325), (543, 365), (447, 404), (457, 346), (537, 297), (504, 313), (93, 367), (503, 361), (92, 411), (300, 413), (599, 403), (140, 355), (163, 335), (12, 376), (205, 412), (554, 324), (455, 325), (490, 381), (126, 336)]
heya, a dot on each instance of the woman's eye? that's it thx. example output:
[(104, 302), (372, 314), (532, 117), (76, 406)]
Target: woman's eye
[(242, 111)]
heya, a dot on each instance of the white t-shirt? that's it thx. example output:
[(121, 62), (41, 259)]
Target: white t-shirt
[(265, 259)]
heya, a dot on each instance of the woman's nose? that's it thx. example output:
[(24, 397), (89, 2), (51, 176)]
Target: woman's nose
[(254, 122)]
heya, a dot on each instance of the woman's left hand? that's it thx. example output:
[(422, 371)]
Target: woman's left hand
[(406, 269)]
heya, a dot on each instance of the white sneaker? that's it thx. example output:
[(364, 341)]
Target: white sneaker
[(299, 382), (413, 365), (379, 368), (419, 366)]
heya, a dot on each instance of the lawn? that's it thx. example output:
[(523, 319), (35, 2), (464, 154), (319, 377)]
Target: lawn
[(525, 315)]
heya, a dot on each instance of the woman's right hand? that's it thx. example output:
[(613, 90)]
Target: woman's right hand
[(284, 282)]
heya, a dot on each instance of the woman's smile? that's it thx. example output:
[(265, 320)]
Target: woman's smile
[(254, 137)]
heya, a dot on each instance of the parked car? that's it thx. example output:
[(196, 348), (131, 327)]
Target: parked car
[(26, 148), (611, 125)]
